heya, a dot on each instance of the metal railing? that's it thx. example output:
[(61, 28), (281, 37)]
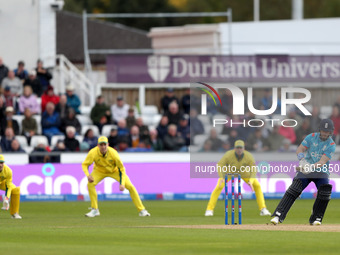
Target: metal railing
[(66, 73)]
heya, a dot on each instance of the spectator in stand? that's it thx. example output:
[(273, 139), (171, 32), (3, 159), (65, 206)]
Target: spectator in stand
[(122, 129), (216, 143), (119, 110), (71, 143), (275, 139), (34, 82), (20, 71), (185, 101), (162, 127), (60, 146), (227, 102), (155, 141), (123, 144), (70, 120), (196, 126), (100, 113), (294, 116), (40, 153), (3, 70), (337, 103), (29, 125), (10, 100), (43, 75), (62, 107), (184, 129), (113, 137), (233, 137), (168, 99), (29, 100), (172, 141), (286, 146), (9, 121), (245, 131), (134, 137), (90, 138), (207, 146), (233, 122), (13, 82), (335, 117), (47, 97), (143, 129), (256, 142), (267, 101), (2, 107), (195, 99), (16, 148), (302, 132), (314, 119), (130, 119), (174, 115), (72, 99), (7, 139), (50, 122), (289, 133)]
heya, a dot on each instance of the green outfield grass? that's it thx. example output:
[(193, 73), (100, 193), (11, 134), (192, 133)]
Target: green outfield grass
[(61, 228)]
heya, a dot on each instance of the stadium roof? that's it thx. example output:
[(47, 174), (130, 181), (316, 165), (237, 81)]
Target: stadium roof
[(101, 35)]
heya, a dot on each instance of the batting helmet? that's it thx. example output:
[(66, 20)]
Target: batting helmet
[(326, 125)]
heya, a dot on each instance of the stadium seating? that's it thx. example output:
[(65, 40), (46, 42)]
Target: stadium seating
[(200, 139), (106, 130), (19, 119), (55, 139), (22, 140), (95, 129), (325, 111), (36, 138), (38, 119), (84, 119)]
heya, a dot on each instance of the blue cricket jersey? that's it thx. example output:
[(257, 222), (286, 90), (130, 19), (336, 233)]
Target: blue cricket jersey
[(316, 148)]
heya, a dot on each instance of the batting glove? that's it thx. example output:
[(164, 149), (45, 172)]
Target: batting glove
[(300, 156), (5, 205)]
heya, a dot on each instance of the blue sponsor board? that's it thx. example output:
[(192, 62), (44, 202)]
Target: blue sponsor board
[(164, 196), (25, 198)]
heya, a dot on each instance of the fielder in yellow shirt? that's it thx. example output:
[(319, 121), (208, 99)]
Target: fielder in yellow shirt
[(238, 158), (12, 195), (107, 163)]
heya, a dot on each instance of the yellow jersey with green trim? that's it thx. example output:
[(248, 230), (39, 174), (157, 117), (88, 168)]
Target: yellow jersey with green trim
[(245, 164), (6, 179), (106, 164)]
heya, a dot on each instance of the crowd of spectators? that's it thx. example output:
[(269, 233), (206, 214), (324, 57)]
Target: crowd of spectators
[(269, 137), (30, 93)]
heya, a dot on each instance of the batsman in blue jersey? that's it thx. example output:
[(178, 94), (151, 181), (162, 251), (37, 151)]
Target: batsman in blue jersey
[(314, 155)]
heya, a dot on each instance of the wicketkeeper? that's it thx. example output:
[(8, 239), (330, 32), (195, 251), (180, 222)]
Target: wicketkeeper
[(314, 155), (239, 158), (12, 195), (107, 163)]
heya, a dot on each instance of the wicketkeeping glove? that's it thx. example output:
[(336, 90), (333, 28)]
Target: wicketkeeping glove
[(5, 205), (300, 156)]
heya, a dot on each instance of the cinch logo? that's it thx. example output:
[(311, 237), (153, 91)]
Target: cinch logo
[(239, 101), (158, 67)]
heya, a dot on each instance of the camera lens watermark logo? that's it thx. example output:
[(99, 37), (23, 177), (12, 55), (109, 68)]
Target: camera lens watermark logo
[(239, 102)]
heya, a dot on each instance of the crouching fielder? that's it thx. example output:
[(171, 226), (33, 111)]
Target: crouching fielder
[(238, 158), (107, 163), (12, 195), (319, 148)]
